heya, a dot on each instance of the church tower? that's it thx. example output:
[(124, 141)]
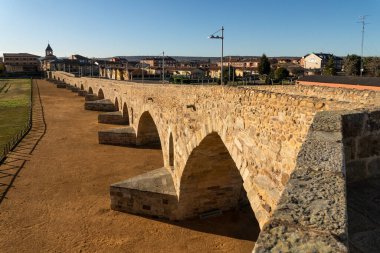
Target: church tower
[(48, 51)]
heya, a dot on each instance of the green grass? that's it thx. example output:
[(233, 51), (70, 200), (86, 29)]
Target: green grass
[(14, 108)]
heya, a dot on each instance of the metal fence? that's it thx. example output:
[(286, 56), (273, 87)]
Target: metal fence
[(12, 143)]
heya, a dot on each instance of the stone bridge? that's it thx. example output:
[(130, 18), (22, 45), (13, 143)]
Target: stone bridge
[(287, 151)]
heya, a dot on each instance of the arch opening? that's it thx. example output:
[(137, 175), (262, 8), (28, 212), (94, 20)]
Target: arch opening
[(147, 135), (211, 184), (171, 151), (116, 104), (81, 87), (100, 94), (132, 115), (125, 113), (90, 91)]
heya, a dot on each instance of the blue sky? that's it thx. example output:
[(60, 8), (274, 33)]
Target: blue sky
[(114, 27)]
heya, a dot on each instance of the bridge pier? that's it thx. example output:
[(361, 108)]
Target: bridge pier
[(75, 89), (115, 118), (119, 137), (91, 97), (104, 105), (152, 194), (82, 93), (61, 85)]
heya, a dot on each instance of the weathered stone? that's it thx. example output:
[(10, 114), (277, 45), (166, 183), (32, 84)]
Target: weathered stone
[(91, 97), (151, 194), (82, 93), (115, 118), (356, 170), (118, 137), (288, 238), (369, 146), (373, 122), (104, 105), (327, 121), (353, 124), (374, 167)]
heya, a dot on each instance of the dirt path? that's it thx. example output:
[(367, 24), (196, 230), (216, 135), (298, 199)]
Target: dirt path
[(60, 199)]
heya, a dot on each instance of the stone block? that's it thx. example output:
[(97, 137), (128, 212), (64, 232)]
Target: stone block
[(356, 170), (286, 238), (373, 122), (374, 167), (328, 121), (104, 105), (353, 124), (82, 93), (115, 118), (315, 200), (91, 97), (118, 137), (349, 149), (152, 194), (369, 146), (61, 85), (75, 89), (322, 151)]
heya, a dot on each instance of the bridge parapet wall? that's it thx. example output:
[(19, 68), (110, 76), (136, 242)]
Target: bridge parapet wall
[(311, 213), (356, 97)]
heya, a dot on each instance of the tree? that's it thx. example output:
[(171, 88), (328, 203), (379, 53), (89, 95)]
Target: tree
[(329, 69), (264, 65), (281, 73), (372, 64), (352, 64), (2, 69)]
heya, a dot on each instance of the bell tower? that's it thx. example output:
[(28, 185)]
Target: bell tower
[(48, 51)]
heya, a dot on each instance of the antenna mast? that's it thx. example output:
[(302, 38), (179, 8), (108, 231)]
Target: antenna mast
[(363, 23)]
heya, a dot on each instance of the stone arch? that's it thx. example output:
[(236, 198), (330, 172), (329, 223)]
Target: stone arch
[(147, 132), (210, 181), (90, 91), (100, 94), (171, 151), (125, 113), (116, 104), (81, 87), (75, 85)]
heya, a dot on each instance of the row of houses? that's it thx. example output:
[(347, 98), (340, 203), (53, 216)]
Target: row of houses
[(120, 68)]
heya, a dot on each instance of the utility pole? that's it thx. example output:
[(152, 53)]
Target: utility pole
[(363, 23), (221, 70), (213, 36), (163, 67)]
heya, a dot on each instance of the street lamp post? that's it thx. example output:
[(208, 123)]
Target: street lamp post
[(213, 36)]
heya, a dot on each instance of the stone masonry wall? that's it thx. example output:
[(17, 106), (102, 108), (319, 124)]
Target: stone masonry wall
[(362, 144), (311, 215), (356, 97), (262, 130)]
